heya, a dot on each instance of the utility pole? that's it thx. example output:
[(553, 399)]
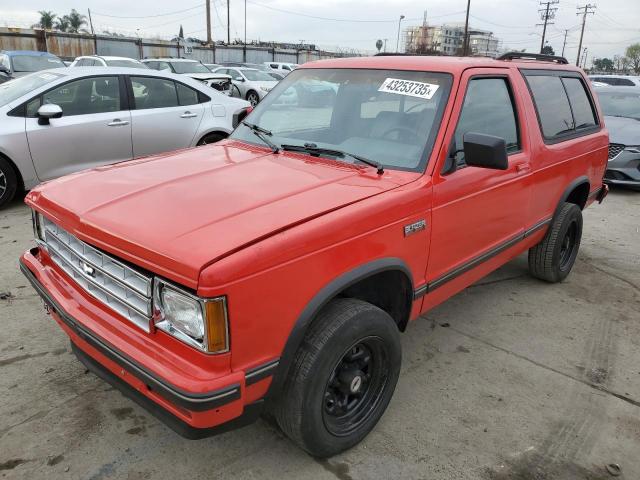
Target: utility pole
[(228, 24), (398, 40), (546, 13), (91, 22), (385, 44), (564, 43), (584, 58), (466, 31), (245, 24), (584, 11), (209, 22)]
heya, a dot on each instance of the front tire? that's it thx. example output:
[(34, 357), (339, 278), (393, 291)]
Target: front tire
[(8, 182), (342, 378), (552, 259), (253, 98)]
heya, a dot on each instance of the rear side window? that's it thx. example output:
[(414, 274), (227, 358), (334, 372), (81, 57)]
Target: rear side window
[(186, 95), (583, 115), (564, 108), (150, 92), (625, 82)]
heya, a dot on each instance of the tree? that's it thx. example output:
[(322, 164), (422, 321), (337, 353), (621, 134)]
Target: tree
[(46, 20), (548, 50), (62, 24), (603, 64), (76, 21), (633, 54)]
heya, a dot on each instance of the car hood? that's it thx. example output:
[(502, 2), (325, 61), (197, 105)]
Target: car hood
[(208, 76), (266, 84), (623, 130), (176, 213)]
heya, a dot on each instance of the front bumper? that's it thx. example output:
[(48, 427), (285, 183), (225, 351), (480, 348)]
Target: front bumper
[(624, 169), (193, 413)]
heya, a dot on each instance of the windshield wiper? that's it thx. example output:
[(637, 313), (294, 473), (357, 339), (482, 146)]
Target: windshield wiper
[(313, 149), (263, 134)]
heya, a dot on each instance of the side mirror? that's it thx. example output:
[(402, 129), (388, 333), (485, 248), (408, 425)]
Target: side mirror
[(48, 111), (485, 151), (239, 79)]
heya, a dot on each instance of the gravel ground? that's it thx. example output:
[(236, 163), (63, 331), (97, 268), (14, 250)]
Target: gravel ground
[(511, 379)]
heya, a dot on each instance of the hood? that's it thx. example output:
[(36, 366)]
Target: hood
[(176, 213), (208, 76), (623, 130), (266, 84)]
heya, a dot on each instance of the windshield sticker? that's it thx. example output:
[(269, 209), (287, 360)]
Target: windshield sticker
[(407, 87)]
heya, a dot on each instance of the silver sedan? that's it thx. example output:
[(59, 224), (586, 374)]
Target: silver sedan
[(56, 122), (249, 83)]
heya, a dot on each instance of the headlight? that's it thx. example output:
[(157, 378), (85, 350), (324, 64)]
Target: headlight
[(265, 89), (633, 149), (201, 323), (38, 225)]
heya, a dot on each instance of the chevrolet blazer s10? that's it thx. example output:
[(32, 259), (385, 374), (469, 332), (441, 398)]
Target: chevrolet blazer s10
[(275, 271)]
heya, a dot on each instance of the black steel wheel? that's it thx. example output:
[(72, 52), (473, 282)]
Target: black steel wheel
[(341, 379)]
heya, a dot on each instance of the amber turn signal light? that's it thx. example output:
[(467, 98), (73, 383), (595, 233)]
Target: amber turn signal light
[(217, 334)]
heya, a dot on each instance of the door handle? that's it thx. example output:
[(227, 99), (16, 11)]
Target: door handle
[(188, 114), (117, 123), (523, 168)]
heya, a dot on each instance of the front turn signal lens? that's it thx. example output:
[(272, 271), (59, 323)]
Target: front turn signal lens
[(217, 330)]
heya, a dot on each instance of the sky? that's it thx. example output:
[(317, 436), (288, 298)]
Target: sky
[(351, 24)]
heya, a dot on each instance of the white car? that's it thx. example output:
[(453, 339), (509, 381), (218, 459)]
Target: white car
[(105, 61), (616, 80), (193, 69), (249, 83), (55, 122), (283, 67)]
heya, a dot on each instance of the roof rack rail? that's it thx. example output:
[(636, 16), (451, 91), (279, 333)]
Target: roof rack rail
[(533, 56)]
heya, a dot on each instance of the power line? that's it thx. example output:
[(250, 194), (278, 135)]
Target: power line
[(151, 16), (269, 7)]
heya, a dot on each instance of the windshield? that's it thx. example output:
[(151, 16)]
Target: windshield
[(189, 67), (619, 104), (387, 116), (29, 63), (14, 89), (125, 63), (257, 76)]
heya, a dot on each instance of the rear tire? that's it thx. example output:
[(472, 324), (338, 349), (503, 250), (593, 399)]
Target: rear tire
[(552, 259), (253, 98), (8, 182), (342, 378)]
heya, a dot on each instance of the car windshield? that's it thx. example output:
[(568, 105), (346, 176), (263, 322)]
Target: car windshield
[(620, 104), (14, 89), (31, 63), (257, 76), (387, 116), (125, 63), (189, 67)]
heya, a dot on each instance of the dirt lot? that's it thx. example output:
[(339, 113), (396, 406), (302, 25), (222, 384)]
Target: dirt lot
[(512, 378)]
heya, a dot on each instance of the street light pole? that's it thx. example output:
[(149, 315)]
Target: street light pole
[(466, 31), (398, 40)]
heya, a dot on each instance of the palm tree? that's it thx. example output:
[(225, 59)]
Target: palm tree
[(62, 24), (76, 21), (46, 20)]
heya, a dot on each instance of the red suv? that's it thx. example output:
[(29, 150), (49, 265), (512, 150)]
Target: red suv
[(276, 270)]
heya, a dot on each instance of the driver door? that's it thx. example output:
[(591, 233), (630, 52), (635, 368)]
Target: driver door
[(478, 213), (94, 130)]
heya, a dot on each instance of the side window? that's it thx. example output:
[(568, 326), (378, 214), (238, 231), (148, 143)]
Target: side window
[(83, 97), (552, 104), (164, 66), (234, 73), (581, 106), (488, 108), (150, 92), (186, 95), (152, 65), (4, 61), (625, 82)]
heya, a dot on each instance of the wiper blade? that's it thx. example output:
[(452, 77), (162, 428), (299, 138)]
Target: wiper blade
[(312, 148), (263, 134)]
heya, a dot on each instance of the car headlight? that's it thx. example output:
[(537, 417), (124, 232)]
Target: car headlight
[(633, 149), (265, 89), (199, 322), (38, 225)]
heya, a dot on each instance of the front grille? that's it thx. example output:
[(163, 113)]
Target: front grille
[(615, 149), (118, 286)]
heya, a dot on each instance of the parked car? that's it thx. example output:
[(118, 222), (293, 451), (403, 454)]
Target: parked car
[(106, 61), (277, 269), (59, 121), (249, 83), (282, 66), (193, 69), (621, 107), (277, 75), (617, 80), (18, 63), (212, 66)]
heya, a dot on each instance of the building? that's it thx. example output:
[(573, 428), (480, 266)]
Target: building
[(447, 39)]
